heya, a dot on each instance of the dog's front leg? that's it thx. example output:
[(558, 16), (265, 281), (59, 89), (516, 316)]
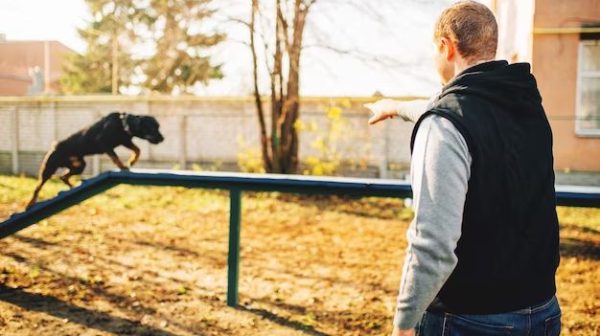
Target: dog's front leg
[(115, 159), (136, 154)]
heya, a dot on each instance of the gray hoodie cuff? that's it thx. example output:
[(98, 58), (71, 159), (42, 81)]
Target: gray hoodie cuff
[(406, 320)]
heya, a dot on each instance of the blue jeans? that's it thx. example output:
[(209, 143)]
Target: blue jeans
[(539, 320)]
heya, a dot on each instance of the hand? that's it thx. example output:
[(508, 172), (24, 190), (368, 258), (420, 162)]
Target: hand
[(406, 332), (382, 110)]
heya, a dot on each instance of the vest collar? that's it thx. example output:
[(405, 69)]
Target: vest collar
[(481, 67), (485, 66)]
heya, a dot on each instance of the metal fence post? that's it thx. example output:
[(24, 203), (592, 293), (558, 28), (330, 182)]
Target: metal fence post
[(183, 141), (233, 258), (54, 122), (384, 163), (96, 158), (15, 141)]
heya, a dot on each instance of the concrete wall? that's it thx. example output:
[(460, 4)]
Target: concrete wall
[(206, 132), (555, 64)]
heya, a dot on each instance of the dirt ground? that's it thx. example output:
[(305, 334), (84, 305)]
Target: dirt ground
[(153, 261)]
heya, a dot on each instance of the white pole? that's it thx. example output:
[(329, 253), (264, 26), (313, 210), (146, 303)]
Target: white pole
[(115, 64), (15, 141), (384, 162), (183, 142), (54, 121), (47, 67)]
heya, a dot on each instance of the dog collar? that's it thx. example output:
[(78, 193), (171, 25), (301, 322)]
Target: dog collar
[(125, 124)]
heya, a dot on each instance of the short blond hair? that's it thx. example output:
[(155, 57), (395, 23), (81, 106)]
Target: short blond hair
[(472, 26)]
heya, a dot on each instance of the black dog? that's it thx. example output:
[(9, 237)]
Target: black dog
[(115, 129)]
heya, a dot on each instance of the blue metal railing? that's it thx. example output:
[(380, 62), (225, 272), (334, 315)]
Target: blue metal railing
[(236, 183)]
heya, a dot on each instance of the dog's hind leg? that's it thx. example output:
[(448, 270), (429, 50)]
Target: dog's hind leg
[(76, 167), (48, 167), (65, 178)]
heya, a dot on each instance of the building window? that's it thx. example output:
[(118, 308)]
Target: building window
[(588, 89)]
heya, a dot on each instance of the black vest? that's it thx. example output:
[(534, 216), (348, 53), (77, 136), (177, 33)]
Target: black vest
[(508, 250)]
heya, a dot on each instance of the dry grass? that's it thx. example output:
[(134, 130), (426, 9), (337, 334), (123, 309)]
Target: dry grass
[(152, 261)]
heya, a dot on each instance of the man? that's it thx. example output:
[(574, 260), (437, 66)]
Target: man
[(483, 246)]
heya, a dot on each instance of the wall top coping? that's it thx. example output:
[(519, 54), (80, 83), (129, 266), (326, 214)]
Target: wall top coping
[(182, 99)]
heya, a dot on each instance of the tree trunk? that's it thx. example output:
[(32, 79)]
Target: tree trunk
[(264, 140), (281, 154)]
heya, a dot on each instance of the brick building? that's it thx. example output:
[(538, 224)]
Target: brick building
[(561, 39), (30, 67)]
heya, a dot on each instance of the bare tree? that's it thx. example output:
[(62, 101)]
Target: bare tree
[(276, 37), (280, 147)]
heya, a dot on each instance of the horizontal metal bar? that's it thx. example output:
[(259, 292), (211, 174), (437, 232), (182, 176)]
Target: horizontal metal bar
[(578, 196), (267, 182), (358, 187)]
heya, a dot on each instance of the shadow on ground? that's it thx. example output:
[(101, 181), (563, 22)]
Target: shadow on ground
[(282, 321), (579, 248), (87, 317)]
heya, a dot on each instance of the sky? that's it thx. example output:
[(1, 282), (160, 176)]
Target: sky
[(398, 31)]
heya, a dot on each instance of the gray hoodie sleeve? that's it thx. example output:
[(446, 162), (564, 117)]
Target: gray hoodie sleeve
[(440, 170), (412, 110)]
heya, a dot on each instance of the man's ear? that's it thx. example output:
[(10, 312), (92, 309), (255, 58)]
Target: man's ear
[(448, 48)]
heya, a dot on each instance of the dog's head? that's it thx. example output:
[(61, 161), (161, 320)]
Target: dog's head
[(145, 127)]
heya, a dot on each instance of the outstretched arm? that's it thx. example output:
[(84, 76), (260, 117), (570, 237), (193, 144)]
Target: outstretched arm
[(440, 171), (388, 109)]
